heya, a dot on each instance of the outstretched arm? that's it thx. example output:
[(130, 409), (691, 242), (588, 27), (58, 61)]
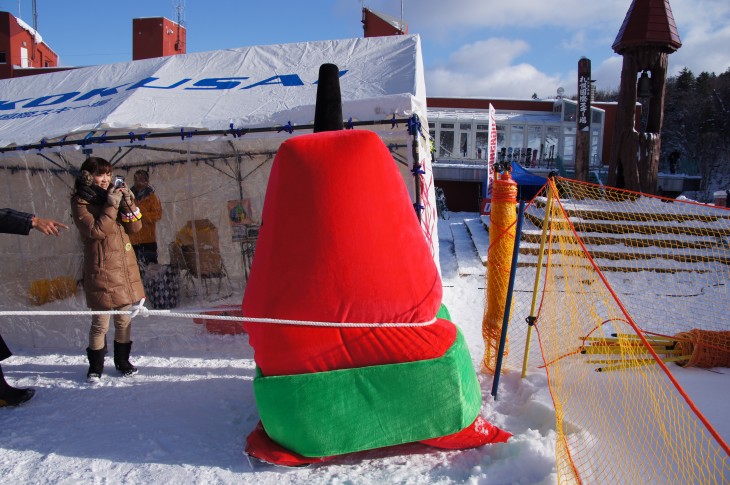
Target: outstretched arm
[(47, 226), (17, 222)]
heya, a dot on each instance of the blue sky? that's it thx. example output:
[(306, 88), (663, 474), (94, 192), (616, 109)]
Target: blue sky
[(482, 48)]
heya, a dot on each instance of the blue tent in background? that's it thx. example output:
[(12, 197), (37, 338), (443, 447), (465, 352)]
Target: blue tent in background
[(528, 184)]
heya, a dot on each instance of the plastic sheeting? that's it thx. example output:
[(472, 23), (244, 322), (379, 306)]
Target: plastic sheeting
[(196, 176)]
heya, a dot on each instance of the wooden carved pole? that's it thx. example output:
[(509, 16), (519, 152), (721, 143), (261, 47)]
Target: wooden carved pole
[(623, 169), (646, 38), (650, 137)]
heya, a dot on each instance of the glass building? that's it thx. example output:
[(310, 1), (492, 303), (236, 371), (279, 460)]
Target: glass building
[(539, 135), (541, 140)]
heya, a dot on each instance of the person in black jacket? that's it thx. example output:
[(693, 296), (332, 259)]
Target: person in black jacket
[(16, 222)]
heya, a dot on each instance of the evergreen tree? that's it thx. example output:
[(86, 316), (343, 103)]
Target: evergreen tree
[(697, 125)]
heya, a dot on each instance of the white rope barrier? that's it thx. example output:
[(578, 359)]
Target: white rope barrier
[(140, 310)]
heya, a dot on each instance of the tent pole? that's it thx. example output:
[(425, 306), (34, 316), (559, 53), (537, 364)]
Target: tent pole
[(541, 253), (416, 163), (242, 244), (192, 220)]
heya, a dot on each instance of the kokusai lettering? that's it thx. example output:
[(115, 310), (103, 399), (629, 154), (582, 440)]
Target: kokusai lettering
[(100, 92), (51, 100), (206, 84), (144, 83), (217, 83), (7, 105)]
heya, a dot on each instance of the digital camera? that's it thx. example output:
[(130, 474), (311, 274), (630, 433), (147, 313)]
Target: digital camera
[(118, 181)]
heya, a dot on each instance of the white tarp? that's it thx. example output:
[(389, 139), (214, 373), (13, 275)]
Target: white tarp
[(197, 175), (248, 87)]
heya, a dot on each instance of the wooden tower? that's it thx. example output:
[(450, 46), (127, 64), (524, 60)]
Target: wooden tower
[(647, 37)]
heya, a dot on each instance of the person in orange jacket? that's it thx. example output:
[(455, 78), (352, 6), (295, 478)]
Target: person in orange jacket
[(144, 242)]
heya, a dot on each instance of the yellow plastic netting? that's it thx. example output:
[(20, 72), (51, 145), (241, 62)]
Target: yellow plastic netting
[(628, 285)]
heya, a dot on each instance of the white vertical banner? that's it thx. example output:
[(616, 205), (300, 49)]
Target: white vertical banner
[(429, 215), (491, 159)]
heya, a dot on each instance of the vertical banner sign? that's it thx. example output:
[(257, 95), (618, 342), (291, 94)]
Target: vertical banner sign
[(583, 121), (584, 94), (491, 159)]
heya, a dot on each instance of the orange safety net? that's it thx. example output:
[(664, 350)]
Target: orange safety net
[(626, 282), (501, 244), (703, 348)]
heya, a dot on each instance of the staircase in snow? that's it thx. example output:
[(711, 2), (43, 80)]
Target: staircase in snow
[(471, 243), (662, 242)]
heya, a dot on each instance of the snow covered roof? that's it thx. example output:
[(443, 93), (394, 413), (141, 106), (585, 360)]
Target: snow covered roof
[(36, 36), (398, 24), (460, 115)]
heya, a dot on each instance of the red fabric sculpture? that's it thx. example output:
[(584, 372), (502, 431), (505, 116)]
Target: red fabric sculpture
[(340, 244)]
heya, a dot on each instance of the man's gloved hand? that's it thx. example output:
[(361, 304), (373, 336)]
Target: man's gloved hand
[(114, 197)]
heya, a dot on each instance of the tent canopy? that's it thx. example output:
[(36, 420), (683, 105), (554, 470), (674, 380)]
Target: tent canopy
[(524, 177), (528, 184), (244, 88)]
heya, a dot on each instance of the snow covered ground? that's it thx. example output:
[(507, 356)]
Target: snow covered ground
[(184, 418)]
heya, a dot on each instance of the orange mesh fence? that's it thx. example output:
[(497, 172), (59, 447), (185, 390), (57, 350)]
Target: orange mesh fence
[(501, 244), (629, 287), (703, 348)]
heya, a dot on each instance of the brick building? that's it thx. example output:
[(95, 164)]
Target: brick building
[(22, 50)]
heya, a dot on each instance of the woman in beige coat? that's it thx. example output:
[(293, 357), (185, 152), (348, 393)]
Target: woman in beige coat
[(104, 214)]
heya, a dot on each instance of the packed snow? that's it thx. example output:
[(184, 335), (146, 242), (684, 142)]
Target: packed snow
[(185, 416)]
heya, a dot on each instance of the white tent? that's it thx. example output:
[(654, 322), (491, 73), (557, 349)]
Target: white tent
[(206, 126)]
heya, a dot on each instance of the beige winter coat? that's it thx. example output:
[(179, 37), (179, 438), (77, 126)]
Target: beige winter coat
[(111, 275)]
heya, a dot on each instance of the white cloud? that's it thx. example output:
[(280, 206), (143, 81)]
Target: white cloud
[(515, 82), (576, 42), (502, 67), (608, 73), (495, 51), (703, 49), (487, 67), (498, 66), (438, 15)]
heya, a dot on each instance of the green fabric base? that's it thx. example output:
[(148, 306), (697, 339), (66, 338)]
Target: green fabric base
[(348, 410), (443, 313)]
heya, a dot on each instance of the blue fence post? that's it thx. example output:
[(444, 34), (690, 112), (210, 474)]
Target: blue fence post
[(510, 289)]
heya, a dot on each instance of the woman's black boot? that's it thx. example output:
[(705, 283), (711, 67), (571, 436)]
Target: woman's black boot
[(121, 359), (96, 363)]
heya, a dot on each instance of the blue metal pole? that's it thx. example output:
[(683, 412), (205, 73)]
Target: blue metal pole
[(510, 290)]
